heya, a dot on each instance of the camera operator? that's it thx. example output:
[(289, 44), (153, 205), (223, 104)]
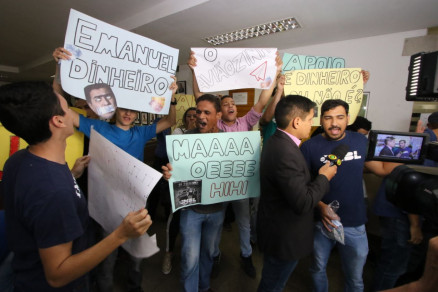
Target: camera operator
[(429, 228), (429, 281), (400, 231), (432, 130)]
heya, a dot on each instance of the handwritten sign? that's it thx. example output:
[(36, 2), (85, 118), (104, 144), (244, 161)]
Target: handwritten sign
[(213, 168), (320, 85), (118, 183), (136, 68), (230, 68), (302, 62)]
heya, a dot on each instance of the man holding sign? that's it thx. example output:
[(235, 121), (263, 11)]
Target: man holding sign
[(200, 225), (229, 122), (130, 139), (47, 214)]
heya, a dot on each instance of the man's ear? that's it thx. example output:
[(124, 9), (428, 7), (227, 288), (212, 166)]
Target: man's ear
[(348, 119), (295, 122), (57, 121), (219, 115)]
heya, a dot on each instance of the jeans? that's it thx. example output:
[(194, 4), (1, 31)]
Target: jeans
[(198, 232), (353, 257), (275, 274), (105, 272), (241, 211), (242, 214), (394, 252)]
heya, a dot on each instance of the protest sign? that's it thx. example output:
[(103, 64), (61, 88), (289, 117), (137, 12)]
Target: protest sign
[(320, 85), (118, 183), (234, 68), (213, 168), (137, 69), (302, 62)]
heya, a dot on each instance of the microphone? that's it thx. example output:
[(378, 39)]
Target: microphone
[(338, 154)]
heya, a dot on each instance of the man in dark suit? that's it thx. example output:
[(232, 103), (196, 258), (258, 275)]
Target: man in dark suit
[(389, 145), (288, 195)]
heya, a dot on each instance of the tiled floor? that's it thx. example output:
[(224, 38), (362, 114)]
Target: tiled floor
[(231, 277)]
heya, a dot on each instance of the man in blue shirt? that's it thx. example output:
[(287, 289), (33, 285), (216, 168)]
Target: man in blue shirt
[(346, 188), (403, 151)]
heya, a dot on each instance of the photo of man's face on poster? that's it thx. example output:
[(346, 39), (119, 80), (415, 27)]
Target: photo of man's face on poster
[(101, 100)]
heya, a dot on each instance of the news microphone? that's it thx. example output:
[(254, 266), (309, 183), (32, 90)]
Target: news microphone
[(338, 154)]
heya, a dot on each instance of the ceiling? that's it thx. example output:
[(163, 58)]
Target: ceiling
[(30, 30)]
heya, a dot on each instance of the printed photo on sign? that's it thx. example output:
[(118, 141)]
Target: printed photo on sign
[(137, 69), (187, 193), (101, 100)]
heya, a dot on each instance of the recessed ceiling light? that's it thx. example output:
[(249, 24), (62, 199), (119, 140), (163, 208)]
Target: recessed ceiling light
[(254, 31)]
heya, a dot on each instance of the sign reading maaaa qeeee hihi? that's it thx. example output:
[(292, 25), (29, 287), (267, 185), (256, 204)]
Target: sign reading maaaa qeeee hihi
[(213, 168)]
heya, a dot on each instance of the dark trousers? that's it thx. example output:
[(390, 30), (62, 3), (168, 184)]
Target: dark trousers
[(275, 274)]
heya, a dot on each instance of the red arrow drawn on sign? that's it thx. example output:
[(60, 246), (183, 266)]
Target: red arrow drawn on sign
[(260, 72)]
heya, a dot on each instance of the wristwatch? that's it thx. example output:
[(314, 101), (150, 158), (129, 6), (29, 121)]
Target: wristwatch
[(174, 102)]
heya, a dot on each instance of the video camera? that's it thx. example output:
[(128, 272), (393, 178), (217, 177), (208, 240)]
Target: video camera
[(412, 187), (401, 147)]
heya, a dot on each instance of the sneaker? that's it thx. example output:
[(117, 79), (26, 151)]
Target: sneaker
[(215, 268), (166, 267), (248, 267)]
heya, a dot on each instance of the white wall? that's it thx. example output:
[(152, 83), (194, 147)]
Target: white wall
[(382, 56)]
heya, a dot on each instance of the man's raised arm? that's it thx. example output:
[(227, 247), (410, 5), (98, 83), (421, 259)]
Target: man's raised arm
[(169, 120), (192, 64), (268, 114), (62, 54)]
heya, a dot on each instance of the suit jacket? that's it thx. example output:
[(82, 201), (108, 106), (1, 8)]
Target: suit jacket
[(386, 152), (287, 201)]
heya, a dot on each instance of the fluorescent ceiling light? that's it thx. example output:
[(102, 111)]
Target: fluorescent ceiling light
[(254, 31)]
